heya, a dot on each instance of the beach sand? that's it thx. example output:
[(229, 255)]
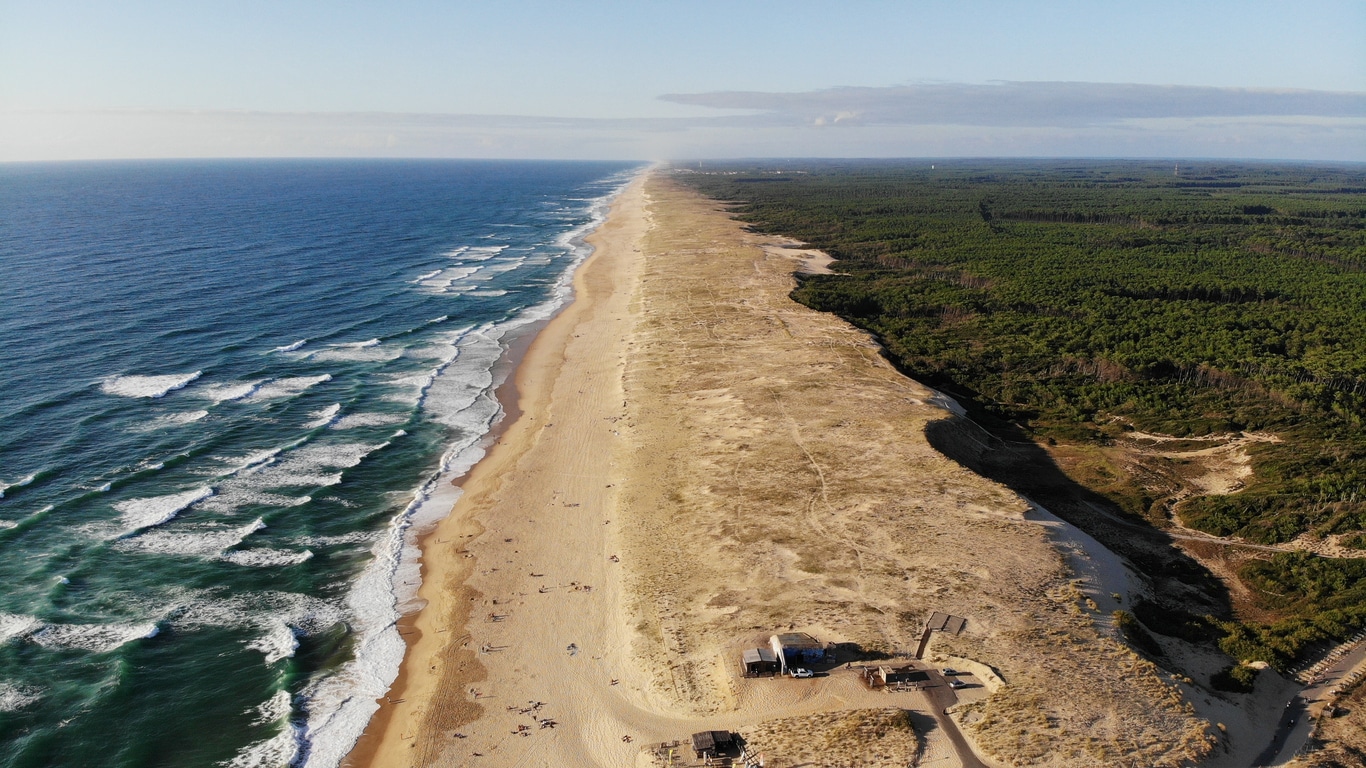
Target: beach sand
[(699, 462)]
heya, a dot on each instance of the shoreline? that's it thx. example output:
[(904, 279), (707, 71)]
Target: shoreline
[(444, 577), (363, 751), (678, 485)]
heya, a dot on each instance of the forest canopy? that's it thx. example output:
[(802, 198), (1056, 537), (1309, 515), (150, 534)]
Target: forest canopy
[(1073, 300), (1071, 297)]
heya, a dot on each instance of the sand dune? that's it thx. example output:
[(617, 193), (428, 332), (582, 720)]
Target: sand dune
[(700, 462)]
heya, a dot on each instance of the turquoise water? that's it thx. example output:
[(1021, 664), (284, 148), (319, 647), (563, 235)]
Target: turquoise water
[(231, 389)]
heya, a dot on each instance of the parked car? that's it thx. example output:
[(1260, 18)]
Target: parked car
[(948, 671), (957, 684), (799, 672)]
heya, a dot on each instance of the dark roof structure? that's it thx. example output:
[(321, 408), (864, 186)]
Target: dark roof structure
[(798, 640), (944, 622), (711, 741), (759, 655)]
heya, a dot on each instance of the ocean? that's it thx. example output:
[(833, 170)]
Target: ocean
[(231, 392)]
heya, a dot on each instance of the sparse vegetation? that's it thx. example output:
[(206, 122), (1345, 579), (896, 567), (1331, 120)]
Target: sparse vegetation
[(1237, 678), (1136, 635), (1069, 303), (860, 738), (789, 484)]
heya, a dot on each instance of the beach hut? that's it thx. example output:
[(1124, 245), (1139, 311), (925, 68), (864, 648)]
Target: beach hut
[(794, 649), (758, 662), (712, 743), (939, 622)]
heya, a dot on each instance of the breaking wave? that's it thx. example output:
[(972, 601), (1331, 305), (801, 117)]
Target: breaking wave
[(147, 386)]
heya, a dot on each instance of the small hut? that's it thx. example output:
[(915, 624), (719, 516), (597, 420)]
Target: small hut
[(758, 662), (894, 677), (712, 743), (794, 649)]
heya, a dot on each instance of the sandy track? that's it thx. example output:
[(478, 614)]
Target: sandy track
[(699, 462)]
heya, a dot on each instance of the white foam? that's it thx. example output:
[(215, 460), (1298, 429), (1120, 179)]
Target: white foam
[(283, 479), (14, 698), (482, 252), (287, 387), (369, 420), (464, 379), (227, 392), (488, 293), (99, 638), (254, 610), (291, 347), (361, 353), (324, 417), (266, 558), (156, 510), (253, 462), (278, 642), (8, 524), (359, 537), (444, 280), (335, 455), (16, 484), (314, 465), (280, 750), (425, 352), (201, 540), (427, 276), (147, 386), (505, 265), (172, 420), (228, 499), (340, 705), (14, 625), (274, 709)]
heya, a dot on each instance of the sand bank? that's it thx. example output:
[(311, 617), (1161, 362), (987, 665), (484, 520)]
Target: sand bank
[(700, 462)]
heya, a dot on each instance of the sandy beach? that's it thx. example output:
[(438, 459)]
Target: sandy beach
[(700, 462)]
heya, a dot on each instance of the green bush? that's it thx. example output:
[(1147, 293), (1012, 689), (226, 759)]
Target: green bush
[(1136, 635), (1237, 678)]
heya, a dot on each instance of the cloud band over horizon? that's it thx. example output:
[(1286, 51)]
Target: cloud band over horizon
[(1029, 103), (1041, 119)]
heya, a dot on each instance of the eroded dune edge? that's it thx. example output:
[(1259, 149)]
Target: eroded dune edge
[(699, 463)]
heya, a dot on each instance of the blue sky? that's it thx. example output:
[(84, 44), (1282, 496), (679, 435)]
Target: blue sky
[(650, 80)]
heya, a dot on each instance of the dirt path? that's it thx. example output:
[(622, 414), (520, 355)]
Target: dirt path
[(1321, 686)]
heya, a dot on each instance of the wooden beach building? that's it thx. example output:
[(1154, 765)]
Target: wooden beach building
[(759, 662), (794, 649), (712, 743)]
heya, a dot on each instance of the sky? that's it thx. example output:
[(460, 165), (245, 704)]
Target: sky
[(677, 80)]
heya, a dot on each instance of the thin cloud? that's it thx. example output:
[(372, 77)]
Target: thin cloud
[(1005, 120), (1062, 104)]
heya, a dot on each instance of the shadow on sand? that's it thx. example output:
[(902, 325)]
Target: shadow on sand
[(1184, 588)]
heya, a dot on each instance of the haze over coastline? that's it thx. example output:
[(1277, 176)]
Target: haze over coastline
[(621, 81)]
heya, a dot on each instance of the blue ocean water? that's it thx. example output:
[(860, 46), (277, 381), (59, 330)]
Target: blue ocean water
[(230, 392)]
